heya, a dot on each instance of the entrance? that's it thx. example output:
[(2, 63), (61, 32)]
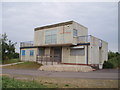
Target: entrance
[(56, 52)]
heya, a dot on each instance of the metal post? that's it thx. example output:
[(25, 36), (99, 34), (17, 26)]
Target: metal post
[(46, 60)]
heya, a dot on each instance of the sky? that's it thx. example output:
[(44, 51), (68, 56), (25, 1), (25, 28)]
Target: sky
[(20, 18)]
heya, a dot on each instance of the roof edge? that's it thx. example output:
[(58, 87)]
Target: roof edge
[(54, 25)]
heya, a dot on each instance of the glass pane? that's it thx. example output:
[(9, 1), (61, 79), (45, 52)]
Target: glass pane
[(54, 32), (31, 52), (48, 32), (23, 52), (74, 32)]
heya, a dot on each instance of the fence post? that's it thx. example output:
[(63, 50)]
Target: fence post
[(37, 58), (46, 59), (41, 59)]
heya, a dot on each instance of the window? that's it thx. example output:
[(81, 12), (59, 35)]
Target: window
[(31, 52), (23, 52), (51, 36), (75, 33), (77, 52), (41, 51)]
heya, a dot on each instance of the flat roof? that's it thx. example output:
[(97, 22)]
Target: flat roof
[(54, 25)]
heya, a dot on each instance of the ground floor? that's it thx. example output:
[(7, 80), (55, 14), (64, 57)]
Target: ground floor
[(84, 54)]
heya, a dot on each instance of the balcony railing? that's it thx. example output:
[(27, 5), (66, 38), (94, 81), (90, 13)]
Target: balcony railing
[(26, 44), (83, 39), (88, 39)]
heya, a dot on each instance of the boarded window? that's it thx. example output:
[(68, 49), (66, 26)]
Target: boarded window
[(77, 52), (31, 52), (75, 33), (41, 51), (51, 37), (23, 52)]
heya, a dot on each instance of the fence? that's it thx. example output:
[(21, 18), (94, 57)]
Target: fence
[(26, 44), (48, 60)]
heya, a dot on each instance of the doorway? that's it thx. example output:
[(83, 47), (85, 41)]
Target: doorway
[(56, 52)]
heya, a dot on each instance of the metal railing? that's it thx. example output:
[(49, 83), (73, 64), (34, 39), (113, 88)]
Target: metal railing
[(83, 39), (88, 39), (26, 44), (48, 60)]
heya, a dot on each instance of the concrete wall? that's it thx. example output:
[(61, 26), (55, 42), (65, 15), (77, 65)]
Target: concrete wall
[(64, 34), (81, 31), (97, 54), (27, 56), (104, 52)]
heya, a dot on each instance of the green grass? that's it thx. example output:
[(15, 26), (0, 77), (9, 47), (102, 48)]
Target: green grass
[(11, 61), (25, 65), (13, 83)]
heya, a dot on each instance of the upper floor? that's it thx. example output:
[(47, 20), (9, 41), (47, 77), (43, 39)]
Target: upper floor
[(61, 34)]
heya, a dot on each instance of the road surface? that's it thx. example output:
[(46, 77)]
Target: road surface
[(110, 74)]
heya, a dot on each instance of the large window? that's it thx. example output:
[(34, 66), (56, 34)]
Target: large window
[(31, 52), (77, 52), (51, 37), (75, 33), (23, 52)]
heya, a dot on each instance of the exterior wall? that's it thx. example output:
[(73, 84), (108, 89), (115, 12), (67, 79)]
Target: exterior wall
[(66, 58), (94, 46), (82, 31), (97, 54), (27, 56), (64, 35), (104, 52)]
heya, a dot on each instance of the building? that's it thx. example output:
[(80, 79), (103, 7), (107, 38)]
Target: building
[(64, 43)]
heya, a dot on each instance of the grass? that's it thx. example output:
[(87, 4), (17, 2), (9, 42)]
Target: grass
[(54, 82), (11, 61), (25, 65), (13, 83)]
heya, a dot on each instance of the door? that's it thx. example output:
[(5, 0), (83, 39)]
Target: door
[(56, 52)]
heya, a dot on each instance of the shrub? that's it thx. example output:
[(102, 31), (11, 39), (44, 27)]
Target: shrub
[(107, 65), (113, 60)]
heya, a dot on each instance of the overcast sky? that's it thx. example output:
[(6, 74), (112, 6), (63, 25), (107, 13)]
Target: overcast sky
[(19, 19)]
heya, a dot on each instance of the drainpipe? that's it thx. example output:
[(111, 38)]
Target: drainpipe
[(63, 33), (87, 56)]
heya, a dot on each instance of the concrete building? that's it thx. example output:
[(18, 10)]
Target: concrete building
[(64, 43)]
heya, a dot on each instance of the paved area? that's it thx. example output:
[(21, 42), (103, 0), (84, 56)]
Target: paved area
[(11, 64), (110, 74)]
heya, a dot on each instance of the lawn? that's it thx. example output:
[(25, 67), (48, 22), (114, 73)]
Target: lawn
[(24, 65), (13, 83), (11, 61), (23, 81)]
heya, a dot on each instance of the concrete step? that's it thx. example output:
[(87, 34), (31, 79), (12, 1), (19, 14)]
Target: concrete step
[(48, 63), (61, 67)]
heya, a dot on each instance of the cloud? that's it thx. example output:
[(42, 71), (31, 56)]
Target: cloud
[(20, 19)]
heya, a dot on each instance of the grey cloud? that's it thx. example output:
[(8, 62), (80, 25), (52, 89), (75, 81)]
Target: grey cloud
[(100, 18)]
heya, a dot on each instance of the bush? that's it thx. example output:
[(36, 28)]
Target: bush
[(107, 65), (113, 60)]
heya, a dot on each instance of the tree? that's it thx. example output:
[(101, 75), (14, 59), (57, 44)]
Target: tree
[(8, 47)]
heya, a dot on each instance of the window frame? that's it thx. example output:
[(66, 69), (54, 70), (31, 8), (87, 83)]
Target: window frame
[(23, 52), (51, 37), (75, 34), (31, 52)]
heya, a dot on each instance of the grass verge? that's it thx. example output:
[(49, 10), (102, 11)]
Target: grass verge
[(11, 61), (13, 83), (25, 65)]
